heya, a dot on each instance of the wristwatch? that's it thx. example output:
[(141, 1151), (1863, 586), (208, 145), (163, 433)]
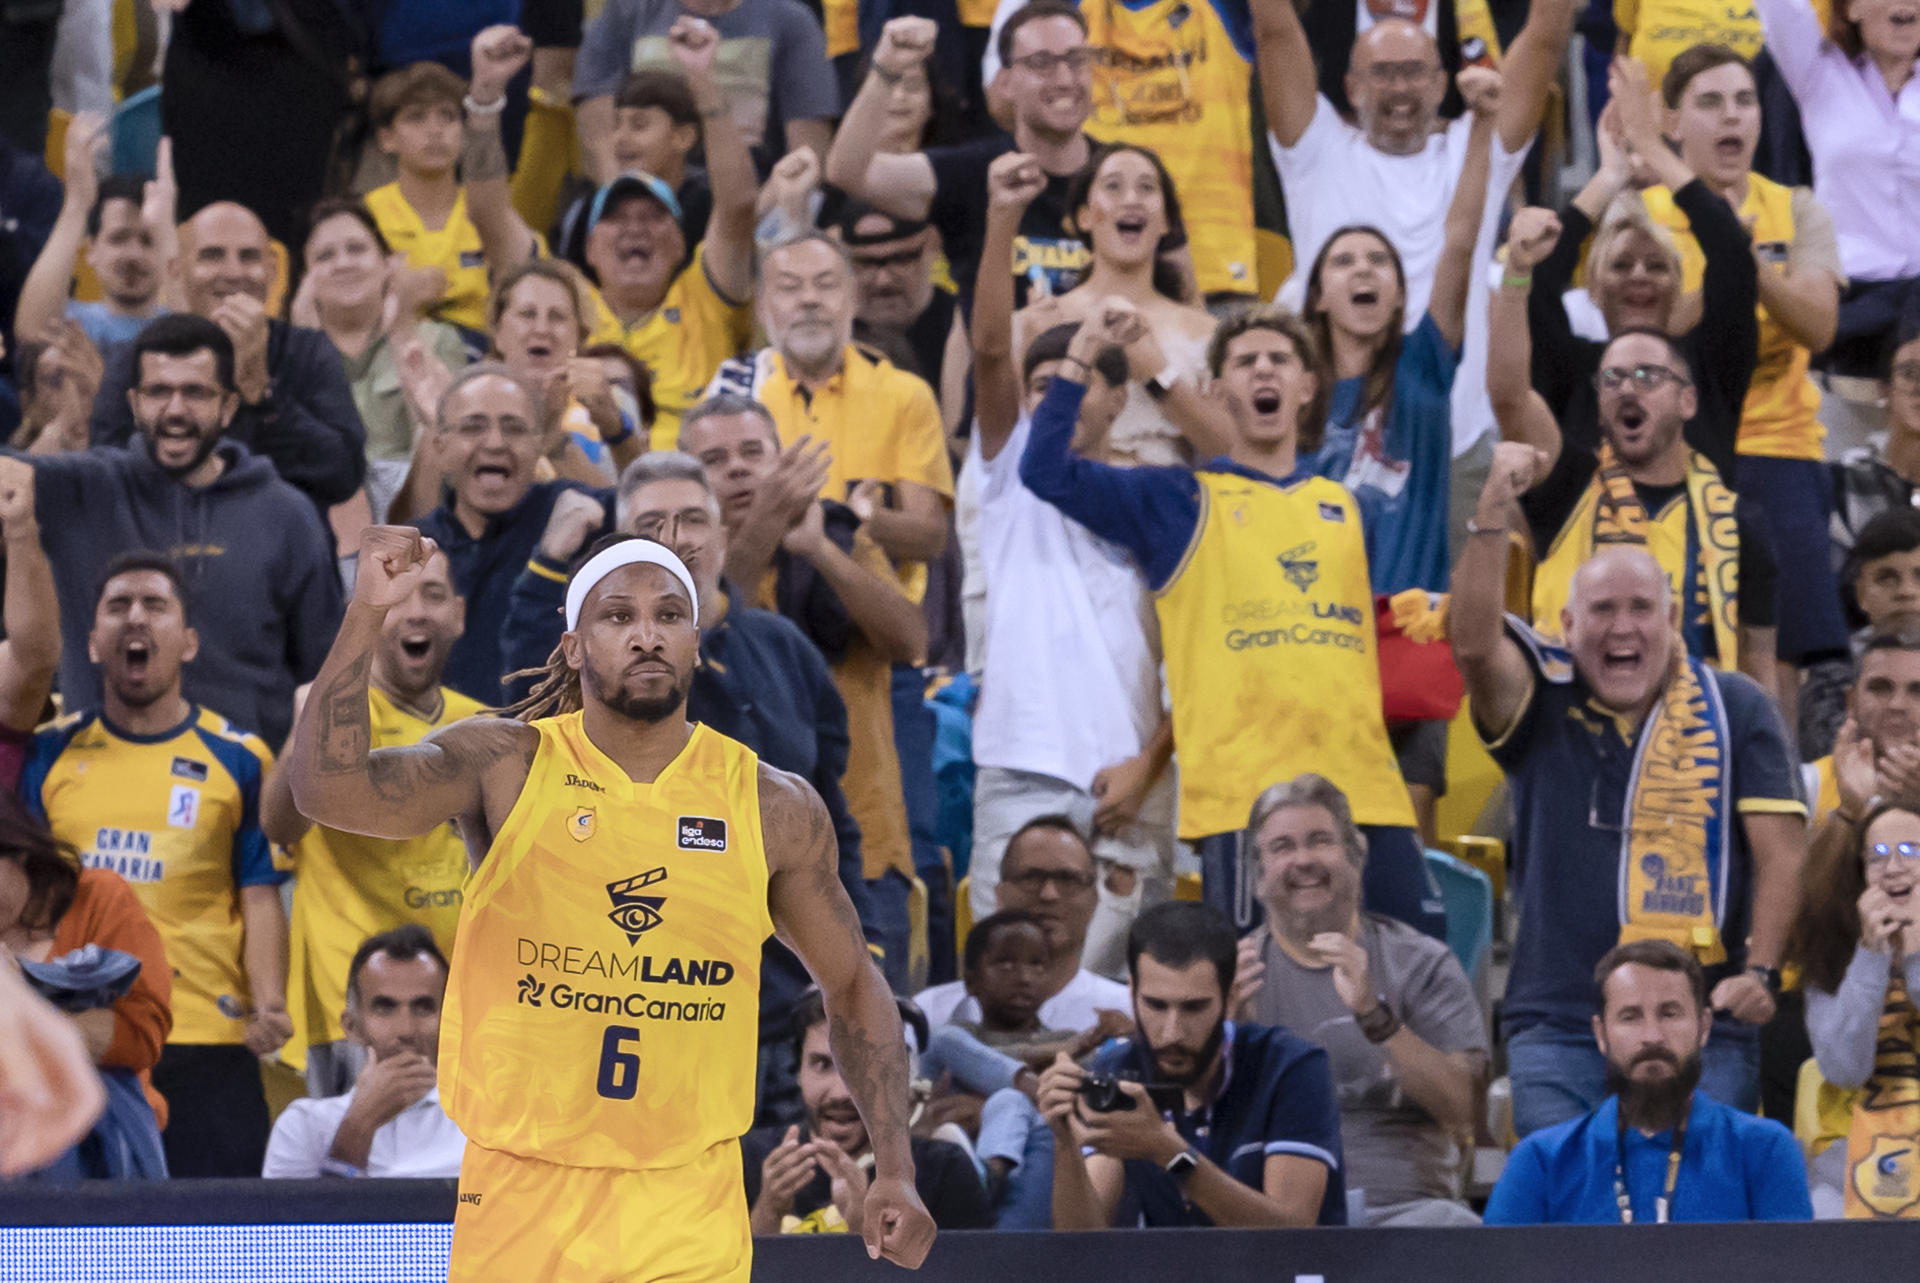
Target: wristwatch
[(1183, 1165), (1162, 383), (1768, 976), (1379, 1024)]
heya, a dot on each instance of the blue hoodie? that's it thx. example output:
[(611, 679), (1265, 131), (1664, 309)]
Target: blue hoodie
[(263, 590)]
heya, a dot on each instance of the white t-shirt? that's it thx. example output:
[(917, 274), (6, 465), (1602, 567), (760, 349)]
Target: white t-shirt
[(420, 1141), (1333, 177), (1074, 1008)]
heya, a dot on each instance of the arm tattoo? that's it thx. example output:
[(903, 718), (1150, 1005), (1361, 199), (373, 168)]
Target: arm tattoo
[(345, 721), (483, 156), (463, 752)]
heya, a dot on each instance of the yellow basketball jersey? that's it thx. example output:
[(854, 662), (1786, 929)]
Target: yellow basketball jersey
[(1781, 416), (348, 887), (603, 1008), (1272, 662), (1170, 75)]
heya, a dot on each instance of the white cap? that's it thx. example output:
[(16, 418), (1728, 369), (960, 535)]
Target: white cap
[(628, 552)]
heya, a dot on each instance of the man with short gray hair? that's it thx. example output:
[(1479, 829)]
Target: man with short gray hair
[(1391, 1005), (494, 514)]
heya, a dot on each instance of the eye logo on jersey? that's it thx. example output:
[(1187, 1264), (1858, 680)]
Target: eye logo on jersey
[(531, 991), (581, 826), (1301, 567), (702, 833), (636, 914)]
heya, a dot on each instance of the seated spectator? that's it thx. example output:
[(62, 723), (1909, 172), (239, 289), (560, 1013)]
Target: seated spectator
[(812, 560), (258, 571), (1396, 1014), (49, 908), (368, 306), (487, 440), (166, 794), (30, 618), (293, 405), (348, 887), (656, 130), (58, 381), (812, 1178), (1882, 581), (1882, 720), (1658, 1149), (782, 91), (1222, 1123), (759, 681), (1204, 540), (389, 1124), (1049, 872), (123, 224), (947, 186), (1075, 729), (1712, 99), (1633, 273), (1713, 867), (1850, 83)]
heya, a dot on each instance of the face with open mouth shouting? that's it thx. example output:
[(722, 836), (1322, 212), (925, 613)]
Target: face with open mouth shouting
[(1359, 284), (539, 327), (1395, 83), (181, 408), (1717, 123), (1125, 213), (831, 1114), (1645, 398), (489, 440), (1620, 622), (140, 637), (1266, 385), (419, 632), (635, 249), (1889, 29)]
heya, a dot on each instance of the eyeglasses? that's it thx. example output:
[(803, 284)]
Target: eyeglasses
[(199, 394), (1387, 74), (877, 262), (1033, 881), (1042, 64), (511, 429), (1881, 852), (1645, 378), (1907, 372)]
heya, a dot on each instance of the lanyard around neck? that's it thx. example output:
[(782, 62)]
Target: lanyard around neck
[(1663, 1206)]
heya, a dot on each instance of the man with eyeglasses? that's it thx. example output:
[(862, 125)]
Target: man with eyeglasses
[(1655, 798), (1047, 871), (895, 294), (1646, 487), (258, 568), (1047, 79)]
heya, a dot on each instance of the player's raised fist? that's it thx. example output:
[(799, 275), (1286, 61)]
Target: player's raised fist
[(896, 1224), (392, 559)]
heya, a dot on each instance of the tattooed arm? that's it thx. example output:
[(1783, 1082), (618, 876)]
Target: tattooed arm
[(393, 792), (815, 918)]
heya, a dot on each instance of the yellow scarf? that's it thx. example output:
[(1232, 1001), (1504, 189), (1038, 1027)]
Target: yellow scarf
[(1678, 820), (1883, 1144), (1698, 544)]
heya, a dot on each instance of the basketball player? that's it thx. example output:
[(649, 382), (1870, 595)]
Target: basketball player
[(598, 1041)]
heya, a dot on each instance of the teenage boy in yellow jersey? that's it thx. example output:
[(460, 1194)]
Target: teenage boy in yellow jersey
[(348, 887), (1259, 570), (167, 795), (1713, 112), (598, 1043), (680, 315)]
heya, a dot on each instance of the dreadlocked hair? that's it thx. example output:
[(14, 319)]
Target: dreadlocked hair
[(556, 691)]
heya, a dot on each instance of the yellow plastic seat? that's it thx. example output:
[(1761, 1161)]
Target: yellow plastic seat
[(917, 952), (1187, 887)]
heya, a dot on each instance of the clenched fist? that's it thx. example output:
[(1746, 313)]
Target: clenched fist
[(392, 560)]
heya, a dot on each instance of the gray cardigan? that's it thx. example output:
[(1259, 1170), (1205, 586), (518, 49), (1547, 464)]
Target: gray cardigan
[(1845, 1026)]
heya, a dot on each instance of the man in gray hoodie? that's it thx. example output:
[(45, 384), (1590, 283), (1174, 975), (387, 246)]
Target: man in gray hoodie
[(258, 568)]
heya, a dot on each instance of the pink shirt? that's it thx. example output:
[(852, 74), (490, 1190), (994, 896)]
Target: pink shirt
[(1865, 142)]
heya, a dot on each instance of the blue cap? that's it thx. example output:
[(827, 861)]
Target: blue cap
[(639, 183)]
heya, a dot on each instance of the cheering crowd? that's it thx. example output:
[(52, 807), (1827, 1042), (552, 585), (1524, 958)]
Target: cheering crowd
[(1127, 456)]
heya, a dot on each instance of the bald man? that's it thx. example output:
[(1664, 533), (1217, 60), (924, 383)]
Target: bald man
[(1654, 796), (295, 406)]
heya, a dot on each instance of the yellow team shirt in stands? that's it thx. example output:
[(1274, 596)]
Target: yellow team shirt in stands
[(454, 249), (681, 342), (1272, 662), (1781, 416), (348, 887), (177, 815), (882, 423), (603, 1008), (1660, 29), (1174, 76)]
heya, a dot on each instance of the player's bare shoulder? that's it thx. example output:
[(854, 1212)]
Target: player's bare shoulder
[(794, 825)]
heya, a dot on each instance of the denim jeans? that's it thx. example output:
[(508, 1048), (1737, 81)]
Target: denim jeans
[(1011, 1128), (1558, 1073)]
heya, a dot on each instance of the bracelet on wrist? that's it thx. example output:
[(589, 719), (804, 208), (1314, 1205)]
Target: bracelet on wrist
[(886, 76), (1475, 528), (1517, 280), (493, 108)]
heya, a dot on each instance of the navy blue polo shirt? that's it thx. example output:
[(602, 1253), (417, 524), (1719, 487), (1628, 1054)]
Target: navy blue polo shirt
[(484, 568), (1733, 1167), (1569, 760), (1276, 1097)]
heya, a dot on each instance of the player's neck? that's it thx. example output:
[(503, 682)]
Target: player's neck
[(641, 749), (162, 714)]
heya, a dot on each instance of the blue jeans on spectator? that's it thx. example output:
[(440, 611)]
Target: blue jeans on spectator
[(1010, 1126), (1558, 1073), (889, 892), (913, 731)]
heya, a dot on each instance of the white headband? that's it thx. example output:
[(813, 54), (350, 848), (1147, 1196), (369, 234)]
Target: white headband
[(628, 552)]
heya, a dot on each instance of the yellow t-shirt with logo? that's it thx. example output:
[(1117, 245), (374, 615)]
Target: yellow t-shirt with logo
[(177, 815), (1661, 29), (1171, 75), (603, 1007), (681, 342), (454, 249), (1272, 661), (1780, 418), (349, 887)]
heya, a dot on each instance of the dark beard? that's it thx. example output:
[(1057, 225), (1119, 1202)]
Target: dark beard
[(639, 708), (208, 444), (1202, 1062), (1655, 1106)]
